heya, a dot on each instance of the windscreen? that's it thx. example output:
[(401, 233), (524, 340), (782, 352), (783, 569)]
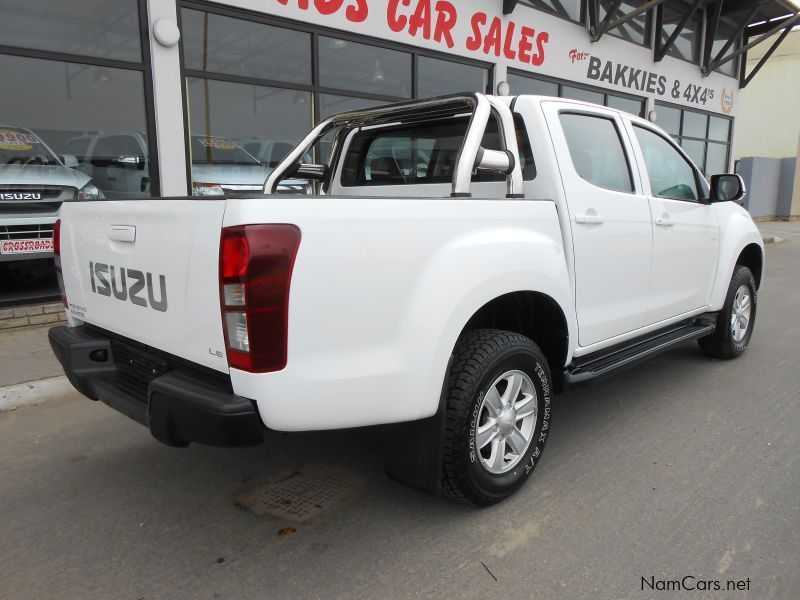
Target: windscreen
[(219, 151), (21, 147)]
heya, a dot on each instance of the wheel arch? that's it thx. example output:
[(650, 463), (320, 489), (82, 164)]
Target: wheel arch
[(740, 243), (752, 257), (532, 314)]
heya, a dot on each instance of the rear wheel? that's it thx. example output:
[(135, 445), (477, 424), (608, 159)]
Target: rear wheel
[(498, 415), (736, 319)]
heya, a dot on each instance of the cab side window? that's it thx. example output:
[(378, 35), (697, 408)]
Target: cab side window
[(671, 175), (596, 150)]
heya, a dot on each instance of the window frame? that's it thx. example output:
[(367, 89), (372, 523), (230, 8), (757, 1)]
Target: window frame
[(626, 150)]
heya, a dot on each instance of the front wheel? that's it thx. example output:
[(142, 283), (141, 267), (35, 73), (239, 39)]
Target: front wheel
[(498, 415), (736, 319)]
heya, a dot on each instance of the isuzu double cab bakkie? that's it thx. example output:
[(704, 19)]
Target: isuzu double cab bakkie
[(466, 258)]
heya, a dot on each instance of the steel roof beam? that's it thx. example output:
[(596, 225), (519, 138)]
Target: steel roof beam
[(596, 31), (707, 64), (743, 81), (661, 51), (787, 23), (711, 31)]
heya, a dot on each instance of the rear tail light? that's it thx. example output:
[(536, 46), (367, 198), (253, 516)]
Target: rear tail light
[(255, 271), (57, 253)]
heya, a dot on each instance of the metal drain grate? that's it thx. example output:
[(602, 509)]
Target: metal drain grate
[(300, 495)]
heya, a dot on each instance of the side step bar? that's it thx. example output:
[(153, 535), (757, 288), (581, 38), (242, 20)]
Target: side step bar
[(592, 367)]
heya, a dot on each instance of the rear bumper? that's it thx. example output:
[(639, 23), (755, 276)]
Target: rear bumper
[(178, 403)]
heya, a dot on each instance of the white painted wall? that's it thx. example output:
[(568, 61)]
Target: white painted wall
[(768, 119)]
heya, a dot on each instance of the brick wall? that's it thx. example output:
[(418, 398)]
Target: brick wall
[(34, 314)]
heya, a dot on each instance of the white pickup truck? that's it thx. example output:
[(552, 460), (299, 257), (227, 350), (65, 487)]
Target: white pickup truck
[(466, 258)]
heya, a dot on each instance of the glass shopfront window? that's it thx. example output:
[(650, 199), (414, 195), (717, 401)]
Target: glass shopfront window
[(438, 77), (582, 94), (364, 68), (705, 138), (524, 83), (240, 131), (219, 44), (73, 120), (252, 89), (97, 28)]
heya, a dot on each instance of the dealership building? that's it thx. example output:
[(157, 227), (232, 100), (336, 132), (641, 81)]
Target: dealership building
[(157, 98)]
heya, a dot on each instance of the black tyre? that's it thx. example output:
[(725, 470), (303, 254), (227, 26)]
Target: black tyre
[(736, 319), (498, 415)]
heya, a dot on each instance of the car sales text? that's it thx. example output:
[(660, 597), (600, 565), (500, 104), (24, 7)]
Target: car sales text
[(437, 19)]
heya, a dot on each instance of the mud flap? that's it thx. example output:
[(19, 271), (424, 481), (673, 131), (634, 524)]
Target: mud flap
[(414, 450)]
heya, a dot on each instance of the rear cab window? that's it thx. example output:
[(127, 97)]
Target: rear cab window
[(423, 153), (596, 149)]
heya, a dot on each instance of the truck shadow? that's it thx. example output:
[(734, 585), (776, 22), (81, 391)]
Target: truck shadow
[(151, 476)]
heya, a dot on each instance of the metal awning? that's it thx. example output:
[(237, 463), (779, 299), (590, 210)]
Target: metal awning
[(753, 22)]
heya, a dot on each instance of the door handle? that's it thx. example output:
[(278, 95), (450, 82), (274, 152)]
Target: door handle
[(589, 219), (664, 221), (122, 233)]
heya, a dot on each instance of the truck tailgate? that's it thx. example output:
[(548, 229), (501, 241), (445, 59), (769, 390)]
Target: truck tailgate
[(148, 270)]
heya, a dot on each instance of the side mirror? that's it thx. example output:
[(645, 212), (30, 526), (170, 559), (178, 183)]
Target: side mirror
[(727, 188), (69, 160)]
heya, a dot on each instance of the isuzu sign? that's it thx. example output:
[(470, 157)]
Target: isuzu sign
[(128, 285), (20, 196)]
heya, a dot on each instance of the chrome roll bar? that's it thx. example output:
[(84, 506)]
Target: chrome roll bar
[(470, 155)]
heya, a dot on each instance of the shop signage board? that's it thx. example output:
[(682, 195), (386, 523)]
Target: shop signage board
[(528, 40)]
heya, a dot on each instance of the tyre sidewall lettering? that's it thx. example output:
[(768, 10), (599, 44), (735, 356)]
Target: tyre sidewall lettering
[(740, 347), (527, 363), (473, 426)]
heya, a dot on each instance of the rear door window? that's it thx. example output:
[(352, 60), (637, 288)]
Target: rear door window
[(596, 150)]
